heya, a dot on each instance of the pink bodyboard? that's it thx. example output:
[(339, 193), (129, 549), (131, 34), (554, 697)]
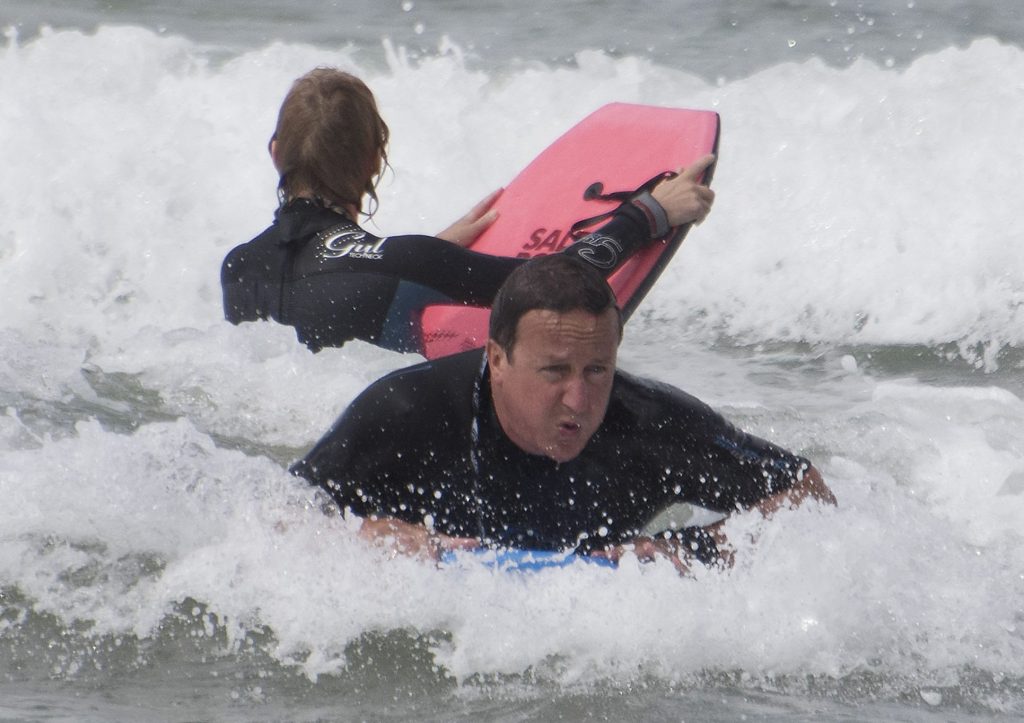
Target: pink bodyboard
[(621, 145)]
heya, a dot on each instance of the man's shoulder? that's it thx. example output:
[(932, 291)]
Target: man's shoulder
[(463, 366), (447, 382), (651, 400), (677, 423), (416, 418)]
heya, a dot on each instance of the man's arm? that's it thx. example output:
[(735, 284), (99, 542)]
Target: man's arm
[(412, 539), (810, 484), (648, 549)]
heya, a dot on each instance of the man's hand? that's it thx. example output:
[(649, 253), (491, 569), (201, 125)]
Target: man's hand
[(409, 539), (685, 198), (810, 485), (647, 549), (466, 230)]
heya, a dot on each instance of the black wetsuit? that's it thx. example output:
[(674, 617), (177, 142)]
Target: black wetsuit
[(423, 444), (316, 270)]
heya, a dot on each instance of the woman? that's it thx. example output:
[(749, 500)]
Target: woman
[(317, 270)]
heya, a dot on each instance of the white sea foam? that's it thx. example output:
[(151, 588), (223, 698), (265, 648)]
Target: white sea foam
[(822, 592), (861, 205)]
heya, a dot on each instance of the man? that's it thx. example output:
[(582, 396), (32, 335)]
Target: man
[(539, 442)]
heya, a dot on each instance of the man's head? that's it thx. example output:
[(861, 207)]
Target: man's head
[(330, 140), (554, 335)]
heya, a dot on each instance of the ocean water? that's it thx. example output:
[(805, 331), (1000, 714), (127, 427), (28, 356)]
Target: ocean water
[(857, 295)]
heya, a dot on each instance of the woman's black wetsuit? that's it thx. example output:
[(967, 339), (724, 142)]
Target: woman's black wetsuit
[(318, 271)]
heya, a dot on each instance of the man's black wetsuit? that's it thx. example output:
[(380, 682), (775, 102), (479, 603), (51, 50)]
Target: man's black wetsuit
[(316, 270), (424, 444)]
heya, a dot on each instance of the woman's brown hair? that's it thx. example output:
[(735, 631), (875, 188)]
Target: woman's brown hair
[(331, 140)]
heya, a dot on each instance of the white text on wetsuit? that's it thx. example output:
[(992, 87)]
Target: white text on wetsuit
[(603, 251), (348, 244)]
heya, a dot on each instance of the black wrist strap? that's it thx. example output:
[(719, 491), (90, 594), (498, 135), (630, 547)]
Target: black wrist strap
[(657, 219)]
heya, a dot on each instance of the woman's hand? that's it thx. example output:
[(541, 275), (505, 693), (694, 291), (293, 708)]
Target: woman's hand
[(684, 197), (466, 230)]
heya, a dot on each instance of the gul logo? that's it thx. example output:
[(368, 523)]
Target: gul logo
[(349, 243)]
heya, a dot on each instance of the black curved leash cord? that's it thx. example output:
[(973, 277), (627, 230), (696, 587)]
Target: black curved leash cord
[(595, 192)]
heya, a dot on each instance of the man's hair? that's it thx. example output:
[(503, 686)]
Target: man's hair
[(558, 283), (331, 140)]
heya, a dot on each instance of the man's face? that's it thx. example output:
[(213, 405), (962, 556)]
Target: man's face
[(552, 394)]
